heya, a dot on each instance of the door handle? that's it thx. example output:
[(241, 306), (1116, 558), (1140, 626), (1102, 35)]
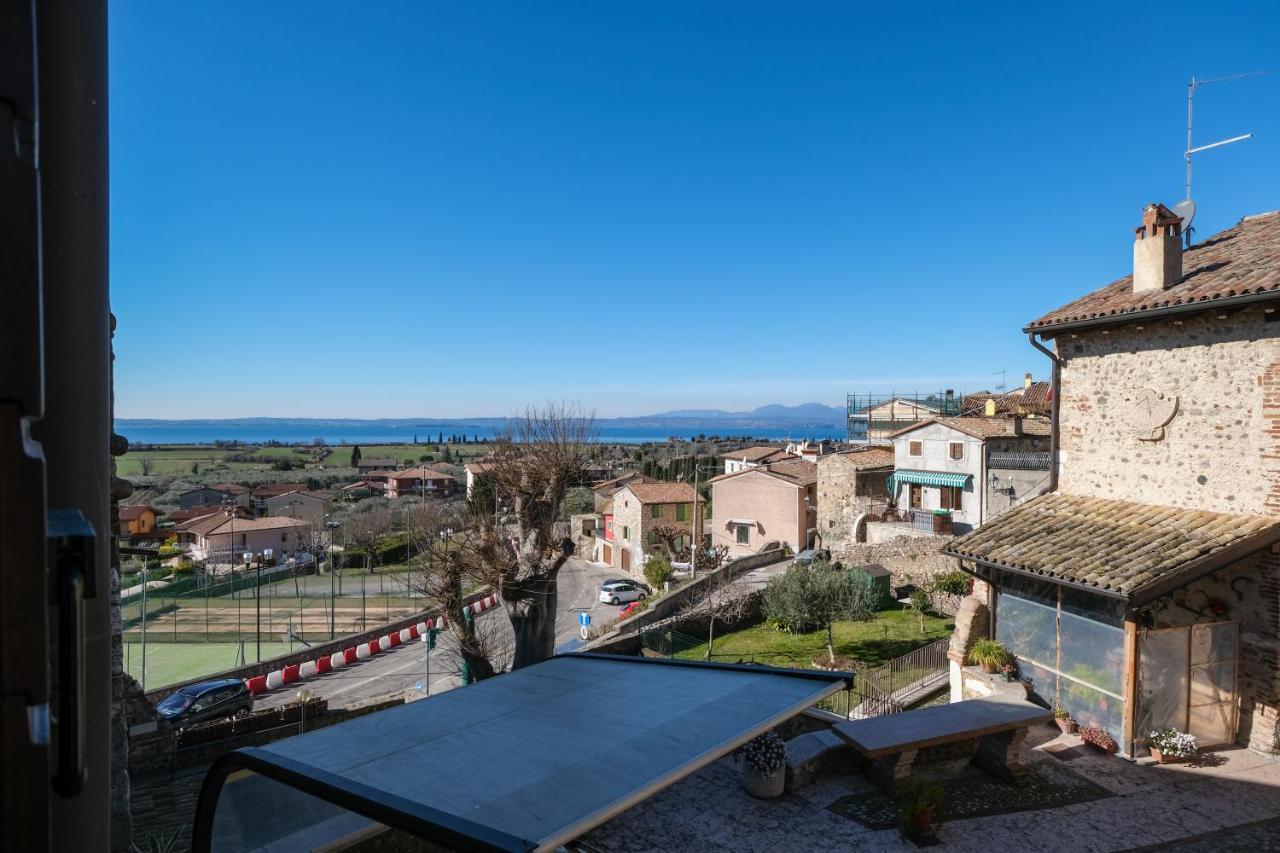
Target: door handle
[(71, 552)]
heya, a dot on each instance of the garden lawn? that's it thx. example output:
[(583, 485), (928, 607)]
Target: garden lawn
[(891, 634)]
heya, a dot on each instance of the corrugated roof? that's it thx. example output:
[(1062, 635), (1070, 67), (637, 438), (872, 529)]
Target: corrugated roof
[(1116, 547), (1243, 260)]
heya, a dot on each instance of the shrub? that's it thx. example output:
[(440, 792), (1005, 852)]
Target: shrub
[(952, 583), (393, 549), (813, 597), (167, 550), (985, 652), (658, 571)]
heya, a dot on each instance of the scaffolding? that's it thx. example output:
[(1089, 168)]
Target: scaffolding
[(872, 418)]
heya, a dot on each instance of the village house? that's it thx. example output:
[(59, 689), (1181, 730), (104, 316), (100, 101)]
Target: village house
[(261, 493), (306, 505), (604, 490), (1032, 400), (952, 474), (380, 463), (750, 457), (873, 420), (138, 519), (777, 502), (419, 482), (652, 517), (810, 451), (222, 538), (476, 476), (852, 484), (1144, 592), (216, 495)]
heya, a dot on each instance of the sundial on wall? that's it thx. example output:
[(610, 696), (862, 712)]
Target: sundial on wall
[(1150, 412)]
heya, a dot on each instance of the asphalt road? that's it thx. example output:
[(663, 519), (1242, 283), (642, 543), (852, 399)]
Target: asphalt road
[(406, 670)]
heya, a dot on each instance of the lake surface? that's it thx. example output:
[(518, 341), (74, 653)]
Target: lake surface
[(185, 432)]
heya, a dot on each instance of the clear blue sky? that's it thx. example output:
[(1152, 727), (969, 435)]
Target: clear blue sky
[(451, 209)]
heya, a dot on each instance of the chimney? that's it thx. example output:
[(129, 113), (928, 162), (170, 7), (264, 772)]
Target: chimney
[(1026, 382), (990, 409), (1157, 250)]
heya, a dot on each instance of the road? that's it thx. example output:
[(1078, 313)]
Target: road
[(406, 671)]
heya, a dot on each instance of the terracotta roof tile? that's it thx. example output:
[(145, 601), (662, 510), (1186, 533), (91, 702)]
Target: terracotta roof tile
[(1117, 547), (983, 427), (662, 493), (1241, 261), (759, 454), (864, 458)]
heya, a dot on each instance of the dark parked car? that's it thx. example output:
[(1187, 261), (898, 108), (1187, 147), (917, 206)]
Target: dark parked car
[(208, 700)]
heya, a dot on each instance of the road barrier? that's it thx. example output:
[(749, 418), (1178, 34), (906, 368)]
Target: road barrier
[(292, 673)]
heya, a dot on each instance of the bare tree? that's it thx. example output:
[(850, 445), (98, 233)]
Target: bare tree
[(366, 530), (446, 560), (723, 600), (520, 545)]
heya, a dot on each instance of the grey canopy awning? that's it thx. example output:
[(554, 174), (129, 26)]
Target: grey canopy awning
[(525, 761)]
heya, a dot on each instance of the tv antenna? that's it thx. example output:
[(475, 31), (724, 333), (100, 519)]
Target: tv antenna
[(1002, 386), (1187, 208)]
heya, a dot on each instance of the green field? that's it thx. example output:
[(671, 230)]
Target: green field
[(170, 663), (176, 460), (891, 634)]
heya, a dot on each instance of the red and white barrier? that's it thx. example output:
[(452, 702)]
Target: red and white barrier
[(276, 679)]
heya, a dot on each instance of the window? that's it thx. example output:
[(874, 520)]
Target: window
[(626, 532), (952, 497), (957, 450), (653, 538), (682, 512), (915, 448), (655, 511), (744, 534)]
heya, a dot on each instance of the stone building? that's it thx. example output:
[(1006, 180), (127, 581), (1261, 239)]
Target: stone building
[(642, 512), (851, 484), (1144, 593)]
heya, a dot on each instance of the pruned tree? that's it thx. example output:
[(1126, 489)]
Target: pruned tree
[(519, 554), (668, 534), (365, 530), (446, 559), (816, 596), (144, 462)]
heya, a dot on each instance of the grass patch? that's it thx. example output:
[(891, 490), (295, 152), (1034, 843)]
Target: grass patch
[(891, 634), (170, 663)]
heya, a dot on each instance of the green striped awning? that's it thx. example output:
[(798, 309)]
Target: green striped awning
[(927, 478)]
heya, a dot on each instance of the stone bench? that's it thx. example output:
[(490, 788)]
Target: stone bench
[(993, 728), (817, 754)]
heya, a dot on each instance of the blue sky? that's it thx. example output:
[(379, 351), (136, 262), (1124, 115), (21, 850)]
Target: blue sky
[(450, 209)]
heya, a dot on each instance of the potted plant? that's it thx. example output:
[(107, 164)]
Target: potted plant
[(917, 803), (764, 773), (1168, 745), (1063, 720), (988, 654), (1098, 739), (1010, 670)]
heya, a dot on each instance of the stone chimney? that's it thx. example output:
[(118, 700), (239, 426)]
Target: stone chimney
[(1026, 382), (990, 408), (1157, 250)]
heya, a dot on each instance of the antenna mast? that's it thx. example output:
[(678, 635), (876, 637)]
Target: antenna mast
[(1188, 207)]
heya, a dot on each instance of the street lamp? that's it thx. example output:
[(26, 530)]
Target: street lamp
[(333, 599)]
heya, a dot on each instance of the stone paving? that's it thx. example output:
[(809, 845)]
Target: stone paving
[(1230, 801)]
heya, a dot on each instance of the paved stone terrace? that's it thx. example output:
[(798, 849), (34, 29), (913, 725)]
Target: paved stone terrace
[(1231, 801)]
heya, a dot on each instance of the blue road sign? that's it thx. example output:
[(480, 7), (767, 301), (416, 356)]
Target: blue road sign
[(584, 619)]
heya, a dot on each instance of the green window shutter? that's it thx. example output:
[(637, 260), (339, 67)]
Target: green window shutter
[(682, 512), (655, 511)]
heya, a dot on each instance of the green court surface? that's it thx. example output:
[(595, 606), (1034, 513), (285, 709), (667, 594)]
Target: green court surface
[(170, 663)]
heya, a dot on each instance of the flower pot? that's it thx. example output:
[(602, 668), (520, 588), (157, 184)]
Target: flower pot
[(1068, 725), (919, 826), (1163, 758), (988, 668), (766, 786)]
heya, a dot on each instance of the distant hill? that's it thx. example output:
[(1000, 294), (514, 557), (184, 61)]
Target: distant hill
[(803, 413)]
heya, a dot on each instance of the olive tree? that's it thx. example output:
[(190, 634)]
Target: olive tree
[(815, 596)]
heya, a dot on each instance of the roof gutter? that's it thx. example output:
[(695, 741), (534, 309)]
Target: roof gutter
[(1054, 429), (1228, 303)]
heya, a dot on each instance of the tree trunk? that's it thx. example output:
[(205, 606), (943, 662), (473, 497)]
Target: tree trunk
[(711, 635), (533, 619), (831, 646)]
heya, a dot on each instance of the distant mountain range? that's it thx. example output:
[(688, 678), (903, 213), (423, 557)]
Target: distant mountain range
[(808, 413)]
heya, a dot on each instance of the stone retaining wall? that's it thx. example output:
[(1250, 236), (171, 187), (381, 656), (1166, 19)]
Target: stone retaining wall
[(909, 560)]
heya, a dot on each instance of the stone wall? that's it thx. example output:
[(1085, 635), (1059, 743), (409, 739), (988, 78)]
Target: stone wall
[(1220, 452), (844, 494), (1248, 593), (914, 560)]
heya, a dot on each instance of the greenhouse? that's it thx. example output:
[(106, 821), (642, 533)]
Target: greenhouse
[(1127, 616)]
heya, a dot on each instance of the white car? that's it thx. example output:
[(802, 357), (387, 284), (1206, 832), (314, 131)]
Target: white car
[(616, 592)]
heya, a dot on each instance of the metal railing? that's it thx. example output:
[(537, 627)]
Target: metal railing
[(913, 673)]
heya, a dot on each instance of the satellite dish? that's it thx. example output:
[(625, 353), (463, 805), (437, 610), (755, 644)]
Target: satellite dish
[(1187, 210)]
